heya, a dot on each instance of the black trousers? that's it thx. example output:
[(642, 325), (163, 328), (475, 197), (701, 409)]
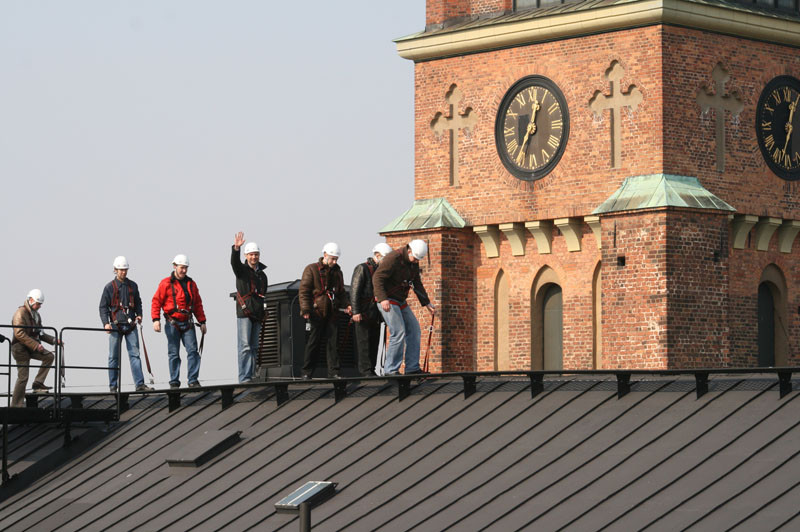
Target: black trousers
[(321, 329), (367, 338)]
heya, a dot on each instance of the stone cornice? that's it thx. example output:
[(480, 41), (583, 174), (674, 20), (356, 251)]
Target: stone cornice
[(710, 17)]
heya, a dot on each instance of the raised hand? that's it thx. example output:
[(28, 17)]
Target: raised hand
[(238, 240)]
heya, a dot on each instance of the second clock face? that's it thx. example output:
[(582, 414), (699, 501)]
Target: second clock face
[(778, 126), (532, 128)]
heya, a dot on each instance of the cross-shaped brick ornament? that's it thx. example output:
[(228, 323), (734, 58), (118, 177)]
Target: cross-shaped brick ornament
[(453, 123), (615, 102), (720, 102)]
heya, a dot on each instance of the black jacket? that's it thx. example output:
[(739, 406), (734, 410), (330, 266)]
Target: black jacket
[(251, 287), (361, 293)]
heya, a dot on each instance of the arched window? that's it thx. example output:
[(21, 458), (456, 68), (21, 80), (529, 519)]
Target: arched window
[(546, 321), (773, 338), (502, 357)]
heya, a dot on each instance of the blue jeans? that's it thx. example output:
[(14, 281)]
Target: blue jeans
[(115, 349), (403, 329), (247, 332), (189, 338)]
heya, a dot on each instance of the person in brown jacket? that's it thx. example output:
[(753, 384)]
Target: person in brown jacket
[(26, 345), (398, 273), (321, 295)]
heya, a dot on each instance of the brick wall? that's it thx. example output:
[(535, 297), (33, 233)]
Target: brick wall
[(635, 294), (670, 305), (697, 287), (438, 12)]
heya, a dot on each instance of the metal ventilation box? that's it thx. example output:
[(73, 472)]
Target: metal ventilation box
[(283, 337)]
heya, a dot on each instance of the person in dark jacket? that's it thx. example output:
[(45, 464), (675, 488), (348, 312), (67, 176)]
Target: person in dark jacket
[(251, 287), (120, 311), (321, 295), (180, 299), (366, 317), (27, 344), (398, 273)]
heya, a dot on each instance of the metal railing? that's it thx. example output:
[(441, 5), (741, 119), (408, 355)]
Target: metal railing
[(118, 356), (55, 413)]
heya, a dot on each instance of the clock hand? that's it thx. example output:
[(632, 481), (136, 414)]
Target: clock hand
[(524, 146), (788, 126), (530, 131)]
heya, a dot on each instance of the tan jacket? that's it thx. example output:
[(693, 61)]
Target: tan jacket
[(27, 339)]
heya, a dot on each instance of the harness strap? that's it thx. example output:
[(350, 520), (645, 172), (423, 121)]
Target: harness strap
[(402, 305), (242, 299), (116, 304), (146, 358), (187, 292), (331, 293)]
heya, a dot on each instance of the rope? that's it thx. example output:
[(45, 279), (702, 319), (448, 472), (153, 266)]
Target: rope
[(430, 337)]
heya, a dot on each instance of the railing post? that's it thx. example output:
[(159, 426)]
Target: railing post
[(537, 384), (623, 384), (701, 383), (469, 385), (784, 382)]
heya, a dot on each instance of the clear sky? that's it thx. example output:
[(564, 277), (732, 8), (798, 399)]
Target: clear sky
[(149, 128)]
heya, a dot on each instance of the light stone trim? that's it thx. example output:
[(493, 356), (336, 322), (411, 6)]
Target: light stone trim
[(740, 228), (571, 229), (542, 232), (594, 224), (490, 238), (765, 228), (515, 234), (786, 235), (725, 20)]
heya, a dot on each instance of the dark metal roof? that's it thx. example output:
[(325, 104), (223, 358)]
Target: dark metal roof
[(575, 455)]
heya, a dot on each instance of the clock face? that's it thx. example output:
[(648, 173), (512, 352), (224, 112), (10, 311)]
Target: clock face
[(778, 126), (532, 128)]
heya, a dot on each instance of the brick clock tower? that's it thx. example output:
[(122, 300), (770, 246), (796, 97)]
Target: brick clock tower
[(608, 184)]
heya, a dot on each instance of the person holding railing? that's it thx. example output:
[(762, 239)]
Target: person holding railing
[(179, 297), (120, 311), (27, 344)]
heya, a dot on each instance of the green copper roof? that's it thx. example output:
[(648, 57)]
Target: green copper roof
[(426, 214), (661, 190)]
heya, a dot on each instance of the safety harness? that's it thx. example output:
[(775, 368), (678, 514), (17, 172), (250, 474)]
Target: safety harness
[(242, 299), (116, 306), (182, 326), (325, 290)]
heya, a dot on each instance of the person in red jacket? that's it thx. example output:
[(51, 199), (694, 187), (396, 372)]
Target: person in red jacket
[(178, 297)]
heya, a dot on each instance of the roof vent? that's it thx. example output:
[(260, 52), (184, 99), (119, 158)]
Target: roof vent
[(196, 449)]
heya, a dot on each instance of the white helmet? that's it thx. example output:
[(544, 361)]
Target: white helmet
[(383, 248), (181, 260), (332, 249), (419, 249), (121, 263), (251, 247), (36, 295)]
